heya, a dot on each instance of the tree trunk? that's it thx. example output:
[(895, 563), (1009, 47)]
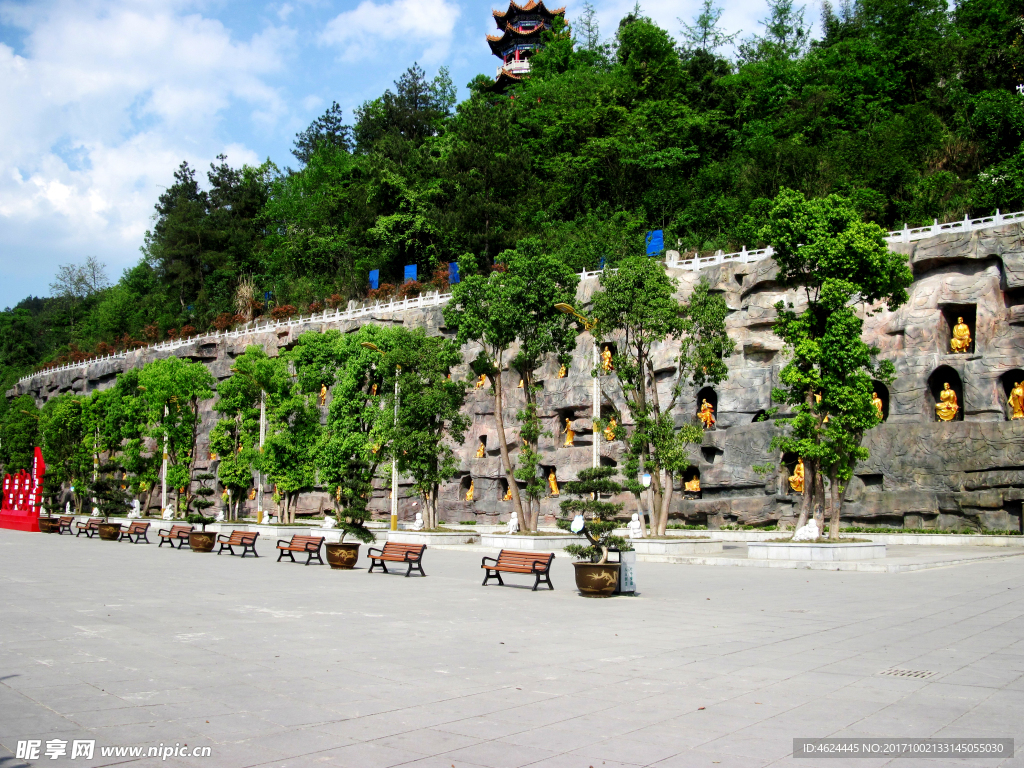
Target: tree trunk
[(517, 502), (837, 508), (819, 500), (666, 501), (807, 502), (431, 499)]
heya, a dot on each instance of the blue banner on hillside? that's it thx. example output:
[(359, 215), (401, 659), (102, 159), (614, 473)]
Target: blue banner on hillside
[(410, 272), (374, 279), (453, 273), (655, 242)]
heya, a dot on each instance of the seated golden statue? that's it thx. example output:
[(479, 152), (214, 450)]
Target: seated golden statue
[(947, 407), (961, 336), (1017, 400), (252, 494), (609, 431), (520, 384), (606, 360), (481, 450), (553, 483), (796, 480), (469, 493), (481, 381), (879, 405), (562, 372), (706, 414), (692, 485), (570, 436), (508, 494)]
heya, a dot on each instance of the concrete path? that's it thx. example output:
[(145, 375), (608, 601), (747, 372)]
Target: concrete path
[(274, 664)]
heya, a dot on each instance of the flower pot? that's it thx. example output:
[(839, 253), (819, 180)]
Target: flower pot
[(342, 556), (597, 579), (109, 531), (202, 541), (49, 524)]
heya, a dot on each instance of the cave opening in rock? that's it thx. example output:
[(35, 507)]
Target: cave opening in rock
[(883, 394), (941, 376), (1009, 380)]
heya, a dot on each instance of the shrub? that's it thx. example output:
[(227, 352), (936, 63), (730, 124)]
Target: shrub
[(409, 289), (224, 321), (316, 306), (283, 312), (334, 300), (385, 292), (598, 529)]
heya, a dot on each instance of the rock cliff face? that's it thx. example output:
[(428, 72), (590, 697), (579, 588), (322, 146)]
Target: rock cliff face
[(967, 473)]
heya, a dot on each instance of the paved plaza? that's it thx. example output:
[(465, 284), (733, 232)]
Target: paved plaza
[(275, 664)]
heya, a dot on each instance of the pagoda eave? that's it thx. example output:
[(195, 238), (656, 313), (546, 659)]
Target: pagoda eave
[(501, 18), (512, 38)]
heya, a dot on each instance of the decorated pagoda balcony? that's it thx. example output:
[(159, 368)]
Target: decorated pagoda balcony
[(518, 68)]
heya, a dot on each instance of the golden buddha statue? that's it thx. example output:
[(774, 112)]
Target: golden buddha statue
[(796, 480), (469, 493), (508, 494), (879, 405), (609, 430), (323, 394), (373, 391), (224, 495), (1017, 400), (606, 360), (947, 407), (520, 384), (706, 415), (562, 372), (692, 485), (961, 337), (553, 483), (570, 436), (252, 494), (481, 381), (481, 450)]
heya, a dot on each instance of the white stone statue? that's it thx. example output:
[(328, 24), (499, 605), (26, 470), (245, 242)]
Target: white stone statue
[(136, 509), (329, 522), (809, 532), (267, 517), (219, 517), (168, 513), (67, 507), (577, 524), (417, 524), (513, 524), (635, 527), (95, 511)]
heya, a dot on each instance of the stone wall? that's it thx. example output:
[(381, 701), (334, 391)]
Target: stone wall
[(967, 473)]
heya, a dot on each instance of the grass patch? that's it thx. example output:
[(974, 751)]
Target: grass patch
[(929, 531)]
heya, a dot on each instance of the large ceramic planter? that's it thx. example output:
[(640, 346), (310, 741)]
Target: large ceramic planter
[(202, 541), (342, 556), (109, 531), (597, 579), (49, 524)]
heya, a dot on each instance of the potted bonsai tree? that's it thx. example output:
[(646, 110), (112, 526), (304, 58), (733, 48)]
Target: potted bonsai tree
[(588, 516), (342, 555), (52, 488), (109, 498), (202, 540)]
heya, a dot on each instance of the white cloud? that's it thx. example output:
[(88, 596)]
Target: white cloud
[(360, 32), (100, 104)]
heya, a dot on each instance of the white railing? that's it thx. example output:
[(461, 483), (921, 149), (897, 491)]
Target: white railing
[(672, 259)]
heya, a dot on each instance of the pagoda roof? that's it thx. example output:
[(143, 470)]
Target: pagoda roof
[(533, 7), (510, 35), (503, 81)]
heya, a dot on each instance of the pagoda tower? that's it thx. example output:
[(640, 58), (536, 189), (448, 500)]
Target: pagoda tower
[(521, 28)]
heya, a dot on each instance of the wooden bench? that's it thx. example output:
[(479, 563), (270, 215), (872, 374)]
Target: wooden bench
[(308, 544), (90, 527), (511, 561), (137, 529), (247, 541), (394, 552), (64, 524), (176, 533)]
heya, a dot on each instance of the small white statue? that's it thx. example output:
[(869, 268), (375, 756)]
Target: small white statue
[(577, 524), (635, 527), (267, 517), (168, 513), (67, 507), (219, 517), (95, 511), (417, 524), (513, 524), (808, 533), (329, 522), (136, 509)]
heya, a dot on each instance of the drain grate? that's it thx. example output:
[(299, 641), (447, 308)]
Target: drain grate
[(918, 673)]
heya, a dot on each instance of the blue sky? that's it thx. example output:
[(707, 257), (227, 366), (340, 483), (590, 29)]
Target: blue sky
[(101, 100)]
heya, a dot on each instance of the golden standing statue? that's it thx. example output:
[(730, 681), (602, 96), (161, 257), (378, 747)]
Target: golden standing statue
[(481, 450), (252, 494), (879, 405), (562, 372), (606, 360), (947, 407), (508, 494), (961, 336), (553, 483), (469, 493), (796, 480), (609, 430), (520, 384), (323, 394), (692, 485), (706, 415), (1017, 400), (570, 436), (373, 391)]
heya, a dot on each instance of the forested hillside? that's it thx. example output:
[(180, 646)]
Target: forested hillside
[(907, 107)]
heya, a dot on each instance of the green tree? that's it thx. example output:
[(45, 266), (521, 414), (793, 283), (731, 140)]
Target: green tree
[(841, 265), (637, 309), (598, 516), (67, 444), (326, 130), (19, 434)]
